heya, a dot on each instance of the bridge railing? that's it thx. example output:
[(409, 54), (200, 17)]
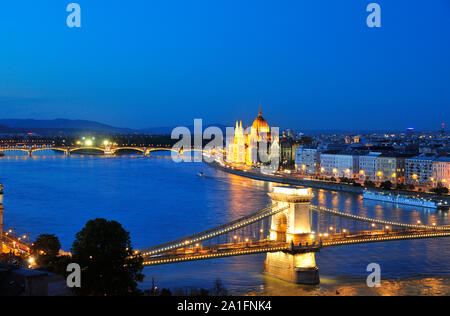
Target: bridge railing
[(383, 237), (216, 231), (375, 221), (214, 253), (14, 243)]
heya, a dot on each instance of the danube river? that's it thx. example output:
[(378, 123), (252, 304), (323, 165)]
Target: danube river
[(157, 200)]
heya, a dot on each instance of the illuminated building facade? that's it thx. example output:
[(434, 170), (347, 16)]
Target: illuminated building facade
[(307, 160), (390, 168), (368, 166), (419, 170), (441, 172), (244, 149)]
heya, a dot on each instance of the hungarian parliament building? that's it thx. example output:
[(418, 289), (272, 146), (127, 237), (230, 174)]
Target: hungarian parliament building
[(255, 145)]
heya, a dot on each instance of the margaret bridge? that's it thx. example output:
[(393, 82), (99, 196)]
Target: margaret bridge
[(106, 150)]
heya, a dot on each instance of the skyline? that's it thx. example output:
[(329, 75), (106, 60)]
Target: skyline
[(62, 123), (313, 66)]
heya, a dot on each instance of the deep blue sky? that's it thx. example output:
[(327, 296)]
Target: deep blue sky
[(312, 64)]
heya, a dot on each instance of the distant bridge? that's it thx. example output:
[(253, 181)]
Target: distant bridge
[(103, 149)]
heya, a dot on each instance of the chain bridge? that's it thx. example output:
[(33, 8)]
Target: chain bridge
[(290, 231)]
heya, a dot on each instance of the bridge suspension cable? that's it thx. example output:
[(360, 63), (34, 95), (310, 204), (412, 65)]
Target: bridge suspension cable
[(214, 232), (338, 229), (372, 220)]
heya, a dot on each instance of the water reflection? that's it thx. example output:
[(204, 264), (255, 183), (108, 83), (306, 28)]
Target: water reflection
[(330, 287)]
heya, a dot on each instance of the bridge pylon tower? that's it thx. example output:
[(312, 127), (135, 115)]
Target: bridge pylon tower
[(291, 226)]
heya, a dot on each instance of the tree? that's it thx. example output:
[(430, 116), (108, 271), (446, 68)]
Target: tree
[(369, 184), (219, 289), (440, 190), (47, 244), (165, 292), (46, 250), (386, 185), (109, 267)]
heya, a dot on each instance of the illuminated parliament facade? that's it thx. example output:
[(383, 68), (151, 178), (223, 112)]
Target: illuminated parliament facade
[(251, 145)]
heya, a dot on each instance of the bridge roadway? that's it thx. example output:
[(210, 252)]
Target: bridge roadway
[(266, 212), (306, 245), (217, 231), (105, 150), (373, 220), (214, 252), (14, 243)]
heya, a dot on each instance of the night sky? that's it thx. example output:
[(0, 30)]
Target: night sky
[(312, 64)]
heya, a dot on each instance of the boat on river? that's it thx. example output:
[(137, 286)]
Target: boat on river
[(405, 199)]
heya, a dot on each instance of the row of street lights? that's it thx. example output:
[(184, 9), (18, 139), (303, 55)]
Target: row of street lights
[(90, 141), (25, 237)]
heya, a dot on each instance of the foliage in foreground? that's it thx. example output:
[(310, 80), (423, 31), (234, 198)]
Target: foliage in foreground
[(103, 251)]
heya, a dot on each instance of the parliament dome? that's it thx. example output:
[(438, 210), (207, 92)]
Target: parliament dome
[(260, 123)]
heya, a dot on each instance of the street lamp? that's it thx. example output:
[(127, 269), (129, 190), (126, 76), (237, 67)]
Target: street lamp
[(380, 175)]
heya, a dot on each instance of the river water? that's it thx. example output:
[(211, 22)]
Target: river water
[(157, 200)]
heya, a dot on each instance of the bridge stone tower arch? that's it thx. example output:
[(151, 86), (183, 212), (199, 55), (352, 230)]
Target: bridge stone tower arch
[(291, 226)]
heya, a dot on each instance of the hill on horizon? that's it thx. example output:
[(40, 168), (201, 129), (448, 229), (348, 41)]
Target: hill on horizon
[(62, 125)]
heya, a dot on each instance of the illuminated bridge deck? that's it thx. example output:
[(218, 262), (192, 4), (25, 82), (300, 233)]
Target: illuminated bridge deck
[(14, 244), (382, 236), (214, 252), (308, 244)]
